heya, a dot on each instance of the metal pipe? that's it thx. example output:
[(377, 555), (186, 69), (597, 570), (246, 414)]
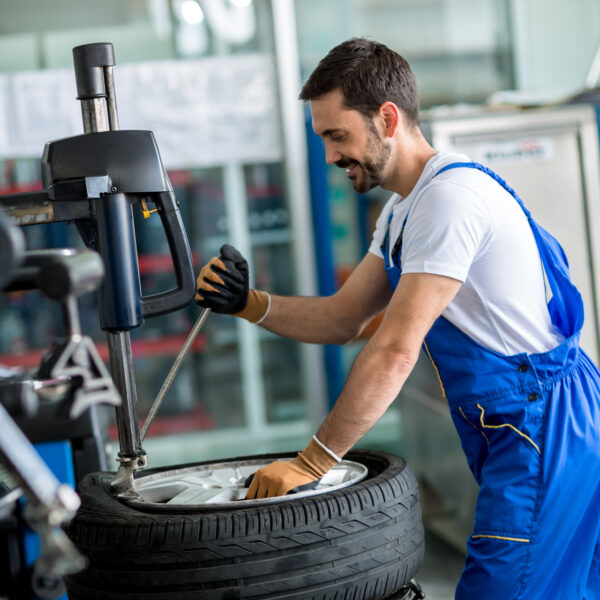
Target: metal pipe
[(71, 316), (175, 369), (109, 82), (255, 412), (296, 176), (93, 112), (121, 367), (31, 208), (25, 465), (96, 118)]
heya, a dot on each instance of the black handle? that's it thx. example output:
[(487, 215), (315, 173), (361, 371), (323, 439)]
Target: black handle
[(183, 294)]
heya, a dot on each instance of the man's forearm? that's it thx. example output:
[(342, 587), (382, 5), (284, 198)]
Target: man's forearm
[(307, 319), (377, 376), (375, 380)]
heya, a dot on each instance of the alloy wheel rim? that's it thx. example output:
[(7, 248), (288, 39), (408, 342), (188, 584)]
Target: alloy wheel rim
[(220, 485)]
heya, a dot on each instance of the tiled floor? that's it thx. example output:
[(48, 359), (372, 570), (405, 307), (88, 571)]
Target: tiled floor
[(441, 569)]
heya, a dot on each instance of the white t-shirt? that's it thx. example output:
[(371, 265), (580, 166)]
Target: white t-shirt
[(464, 225)]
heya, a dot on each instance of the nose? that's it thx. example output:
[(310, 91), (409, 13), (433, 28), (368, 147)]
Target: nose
[(331, 156)]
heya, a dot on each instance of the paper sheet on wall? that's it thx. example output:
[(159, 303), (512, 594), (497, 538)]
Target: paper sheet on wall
[(203, 112), (44, 108)]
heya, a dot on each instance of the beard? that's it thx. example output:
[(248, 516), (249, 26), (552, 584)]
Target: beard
[(369, 172)]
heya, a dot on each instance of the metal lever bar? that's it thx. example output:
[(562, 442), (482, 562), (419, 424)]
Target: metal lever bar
[(174, 369)]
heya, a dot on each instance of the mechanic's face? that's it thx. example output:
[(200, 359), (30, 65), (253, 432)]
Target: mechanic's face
[(352, 141)]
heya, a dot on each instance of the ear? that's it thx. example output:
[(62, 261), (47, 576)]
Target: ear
[(390, 115)]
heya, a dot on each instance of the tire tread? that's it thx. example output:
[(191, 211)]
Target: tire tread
[(363, 542)]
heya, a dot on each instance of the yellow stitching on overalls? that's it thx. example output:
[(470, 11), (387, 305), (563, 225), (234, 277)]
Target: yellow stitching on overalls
[(473, 425), (501, 537), (436, 369), (507, 425)]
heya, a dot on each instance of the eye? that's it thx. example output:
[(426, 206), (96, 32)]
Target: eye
[(337, 138)]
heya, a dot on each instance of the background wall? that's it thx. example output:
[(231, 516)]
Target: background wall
[(554, 42)]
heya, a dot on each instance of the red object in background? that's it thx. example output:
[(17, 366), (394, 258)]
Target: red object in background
[(19, 188), (196, 420), (167, 346), (160, 263)]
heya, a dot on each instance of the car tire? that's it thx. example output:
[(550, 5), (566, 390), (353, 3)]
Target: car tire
[(363, 542)]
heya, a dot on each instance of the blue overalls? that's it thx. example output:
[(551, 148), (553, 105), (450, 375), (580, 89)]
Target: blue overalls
[(530, 428)]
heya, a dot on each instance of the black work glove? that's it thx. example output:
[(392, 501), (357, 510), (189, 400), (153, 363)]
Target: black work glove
[(223, 282)]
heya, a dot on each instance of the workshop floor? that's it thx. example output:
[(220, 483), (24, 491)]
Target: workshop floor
[(441, 568)]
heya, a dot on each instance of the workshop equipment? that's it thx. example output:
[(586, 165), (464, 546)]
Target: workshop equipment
[(71, 380), (93, 180)]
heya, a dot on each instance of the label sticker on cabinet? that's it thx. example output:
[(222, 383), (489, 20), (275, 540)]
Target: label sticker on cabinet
[(528, 149)]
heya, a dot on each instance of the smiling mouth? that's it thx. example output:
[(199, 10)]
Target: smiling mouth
[(351, 170)]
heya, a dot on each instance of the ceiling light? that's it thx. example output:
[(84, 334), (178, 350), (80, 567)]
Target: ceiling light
[(191, 12)]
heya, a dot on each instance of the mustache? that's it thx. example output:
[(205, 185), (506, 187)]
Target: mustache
[(344, 163)]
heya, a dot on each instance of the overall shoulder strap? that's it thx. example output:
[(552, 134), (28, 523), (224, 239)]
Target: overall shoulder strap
[(566, 305)]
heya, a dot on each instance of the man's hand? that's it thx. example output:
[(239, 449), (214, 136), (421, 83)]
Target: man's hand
[(278, 478), (223, 282), (223, 287)]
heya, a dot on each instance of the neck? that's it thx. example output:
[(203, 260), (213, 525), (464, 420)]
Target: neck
[(412, 154)]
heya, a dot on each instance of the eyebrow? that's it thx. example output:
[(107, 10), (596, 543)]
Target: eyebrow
[(331, 131)]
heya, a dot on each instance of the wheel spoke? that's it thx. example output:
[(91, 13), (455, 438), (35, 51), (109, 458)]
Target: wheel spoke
[(222, 484), (195, 496)]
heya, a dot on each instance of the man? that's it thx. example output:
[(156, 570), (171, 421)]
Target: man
[(458, 264)]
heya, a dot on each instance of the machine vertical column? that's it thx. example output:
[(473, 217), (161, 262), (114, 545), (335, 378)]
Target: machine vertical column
[(95, 89), (93, 112), (121, 368)]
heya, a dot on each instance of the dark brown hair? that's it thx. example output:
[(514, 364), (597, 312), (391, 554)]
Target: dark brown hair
[(368, 74)]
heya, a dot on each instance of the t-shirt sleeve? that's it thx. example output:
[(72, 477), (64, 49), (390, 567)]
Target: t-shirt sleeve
[(447, 228), (381, 227)]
